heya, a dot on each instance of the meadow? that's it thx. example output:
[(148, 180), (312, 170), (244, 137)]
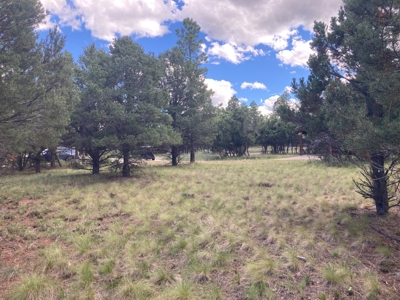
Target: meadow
[(220, 229)]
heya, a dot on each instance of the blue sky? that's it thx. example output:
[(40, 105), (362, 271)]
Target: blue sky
[(255, 47)]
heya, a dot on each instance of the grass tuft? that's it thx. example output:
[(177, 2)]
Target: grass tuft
[(34, 287)]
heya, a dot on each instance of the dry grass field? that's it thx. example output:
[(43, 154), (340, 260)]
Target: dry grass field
[(229, 229)]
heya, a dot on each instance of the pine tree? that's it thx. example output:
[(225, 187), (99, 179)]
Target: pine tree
[(356, 69), (190, 103)]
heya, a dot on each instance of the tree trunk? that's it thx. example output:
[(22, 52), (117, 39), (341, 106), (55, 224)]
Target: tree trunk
[(174, 155), (126, 169), (52, 157), (37, 162), (192, 153), (95, 156), (379, 180), (192, 156), (20, 163)]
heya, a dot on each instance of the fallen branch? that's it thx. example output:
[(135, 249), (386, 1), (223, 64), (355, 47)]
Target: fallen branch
[(384, 234)]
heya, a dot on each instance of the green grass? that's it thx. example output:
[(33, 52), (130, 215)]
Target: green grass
[(218, 229)]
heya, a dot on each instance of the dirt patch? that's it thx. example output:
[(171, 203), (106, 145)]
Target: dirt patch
[(28, 201), (18, 258)]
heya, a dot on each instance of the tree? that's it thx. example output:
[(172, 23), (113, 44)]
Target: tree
[(89, 120), (137, 108), (238, 128), (276, 133), (190, 103), (356, 70), (122, 103), (35, 86)]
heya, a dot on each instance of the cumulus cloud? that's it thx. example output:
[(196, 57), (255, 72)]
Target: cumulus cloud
[(231, 22), (256, 85), (106, 19), (268, 105), (298, 56), (232, 52), (67, 14), (222, 89), (268, 22), (242, 99)]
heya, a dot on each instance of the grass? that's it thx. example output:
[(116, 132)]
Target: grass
[(219, 229)]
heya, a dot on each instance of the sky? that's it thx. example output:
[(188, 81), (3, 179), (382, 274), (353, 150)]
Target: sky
[(254, 47)]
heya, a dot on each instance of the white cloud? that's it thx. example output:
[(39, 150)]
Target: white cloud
[(233, 27), (232, 52), (243, 99), (267, 22), (256, 85), (105, 19), (268, 105), (288, 89), (299, 54), (222, 89)]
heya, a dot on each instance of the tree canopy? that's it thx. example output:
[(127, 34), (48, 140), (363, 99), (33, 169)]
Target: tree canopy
[(353, 89), (36, 80)]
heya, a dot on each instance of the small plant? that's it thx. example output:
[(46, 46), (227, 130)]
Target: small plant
[(54, 257), (371, 285), (323, 297), (385, 251), (33, 287), (182, 290), (107, 267), (164, 277), (83, 243), (222, 259), (86, 274), (336, 274), (135, 290), (257, 291), (259, 270)]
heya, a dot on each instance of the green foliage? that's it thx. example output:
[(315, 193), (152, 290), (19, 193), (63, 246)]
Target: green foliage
[(238, 128), (277, 133), (36, 85), (122, 105), (34, 287), (353, 90), (189, 102)]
